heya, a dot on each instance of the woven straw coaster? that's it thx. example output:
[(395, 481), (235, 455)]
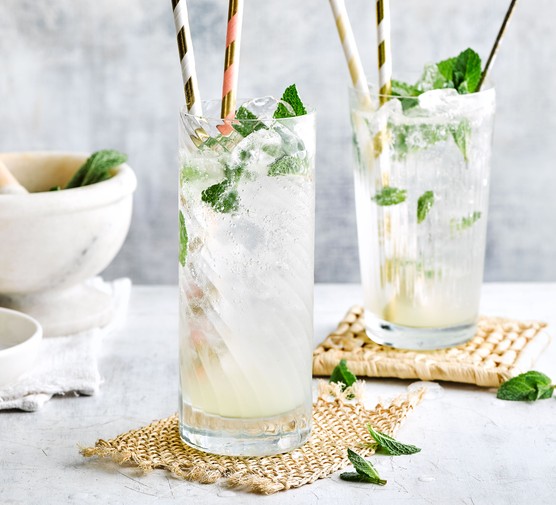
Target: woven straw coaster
[(338, 423), (501, 348)]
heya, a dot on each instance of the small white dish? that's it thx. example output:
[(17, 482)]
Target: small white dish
[(20, 338)]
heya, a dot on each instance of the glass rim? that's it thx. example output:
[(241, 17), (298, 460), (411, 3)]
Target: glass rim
[(489, 88), (311, 112)]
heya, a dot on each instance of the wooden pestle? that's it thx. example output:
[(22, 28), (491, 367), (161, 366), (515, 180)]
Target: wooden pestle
[(8, 183)]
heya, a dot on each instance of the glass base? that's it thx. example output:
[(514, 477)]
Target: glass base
[(244, 437), (417, 339)]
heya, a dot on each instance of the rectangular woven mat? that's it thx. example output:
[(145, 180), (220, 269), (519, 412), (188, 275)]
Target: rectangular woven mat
[(338, 423), (501, 348)]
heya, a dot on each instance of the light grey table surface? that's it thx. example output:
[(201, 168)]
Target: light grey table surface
[(475, 449)]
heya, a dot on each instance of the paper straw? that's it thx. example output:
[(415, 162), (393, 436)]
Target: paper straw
[(494, 50), (187, 58), (231, 60), (384, 50), (351, 52), (384, 85)]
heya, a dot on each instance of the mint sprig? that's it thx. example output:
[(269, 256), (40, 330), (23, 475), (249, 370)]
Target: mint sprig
[(527, 387), (364, 470), (343, 375), (390, 196), (290, 96), (97, 168), (424, 205), (184, 240), (466, 71), (391, 446)]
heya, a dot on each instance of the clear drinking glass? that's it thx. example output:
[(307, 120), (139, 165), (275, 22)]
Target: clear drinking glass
[(246, 211), (421, 190)]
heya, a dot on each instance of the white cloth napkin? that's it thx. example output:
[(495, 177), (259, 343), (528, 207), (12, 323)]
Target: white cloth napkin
[(67, 364)]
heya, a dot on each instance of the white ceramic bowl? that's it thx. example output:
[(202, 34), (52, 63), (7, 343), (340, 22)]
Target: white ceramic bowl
[(20, 338), (52, 242)]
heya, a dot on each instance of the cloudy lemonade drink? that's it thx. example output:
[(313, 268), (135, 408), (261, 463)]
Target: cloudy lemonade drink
[(246, 278), (421, 181)]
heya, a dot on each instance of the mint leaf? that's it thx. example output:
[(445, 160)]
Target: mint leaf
[(465, 222), (222, 197), (96, 168), (342, 375), (290, 96), (391, 446), (446, 69), (246, 122), (424, 205), (357, 477), (190, 173), (286, 165), (409, 139), (183, 240), (466, 72), (434, 77), (390, 196), (365, 470), (527, 387), (406, 93), (460, 134)]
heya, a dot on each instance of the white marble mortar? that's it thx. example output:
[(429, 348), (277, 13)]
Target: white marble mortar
[(52, 243)]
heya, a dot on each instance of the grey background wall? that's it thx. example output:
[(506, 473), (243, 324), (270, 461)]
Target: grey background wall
[(90, 74)]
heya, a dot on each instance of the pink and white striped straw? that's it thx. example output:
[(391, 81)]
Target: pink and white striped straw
[(231, 60)]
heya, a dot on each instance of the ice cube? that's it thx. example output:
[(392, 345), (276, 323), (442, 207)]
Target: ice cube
[(258, 150), (377, 122), (264, 107), (440, 101), (292, 144)]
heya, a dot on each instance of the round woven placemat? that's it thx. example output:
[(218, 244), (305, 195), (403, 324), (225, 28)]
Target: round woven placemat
[(501, 348), (338, 423)]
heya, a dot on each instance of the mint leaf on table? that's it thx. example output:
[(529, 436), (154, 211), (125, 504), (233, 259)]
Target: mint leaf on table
[(390, 196), (290, 96), (527, 387), (222, 197), (424, 205), (390, 446), (365, 471), (343, 375), (246, 122), (96, 168), (183, 240), (286, 165)]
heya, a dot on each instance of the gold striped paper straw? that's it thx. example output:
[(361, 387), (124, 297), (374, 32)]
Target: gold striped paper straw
[(351, 52), (231, 60), (494, 50), (187, 58), (384, 84), (384, 50)]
